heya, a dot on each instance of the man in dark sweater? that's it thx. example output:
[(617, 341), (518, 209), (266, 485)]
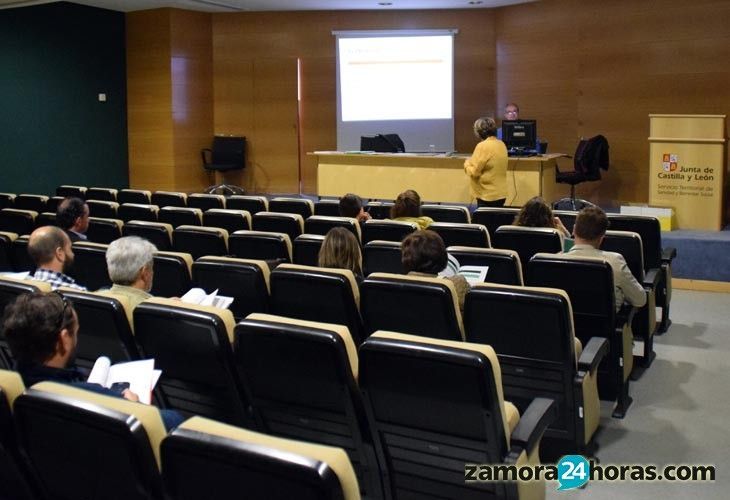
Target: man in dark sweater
[(41, 329)]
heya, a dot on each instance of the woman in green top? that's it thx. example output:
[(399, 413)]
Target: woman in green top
[(407, 208)]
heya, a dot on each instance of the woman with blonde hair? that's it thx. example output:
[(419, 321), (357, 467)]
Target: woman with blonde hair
[(341, 250), (407, 208), (487, 166)]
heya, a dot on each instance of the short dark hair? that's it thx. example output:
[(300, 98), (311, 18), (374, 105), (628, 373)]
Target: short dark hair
[(68, 211), (42, 248), (350, 205), (408, 204), (535, 213), (32, 323), (424, 252), (591, 223)]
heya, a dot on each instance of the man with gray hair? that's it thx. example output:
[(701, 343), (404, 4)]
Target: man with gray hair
[(129, 261)]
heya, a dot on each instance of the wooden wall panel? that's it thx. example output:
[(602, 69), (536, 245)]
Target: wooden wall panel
[(239, 38), (584, 67), (192, 96), (149, 97)]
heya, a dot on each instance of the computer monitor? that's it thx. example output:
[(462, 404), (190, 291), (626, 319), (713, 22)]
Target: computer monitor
[(382, 143), (519, 134)]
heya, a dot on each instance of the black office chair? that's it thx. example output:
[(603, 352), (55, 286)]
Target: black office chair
[(227, 153), (590, 157)]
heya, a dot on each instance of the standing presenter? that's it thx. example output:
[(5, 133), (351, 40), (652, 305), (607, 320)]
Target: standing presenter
[(487, 167)]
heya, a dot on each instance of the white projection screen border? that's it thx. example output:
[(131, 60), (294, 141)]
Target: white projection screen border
[(396, 81)]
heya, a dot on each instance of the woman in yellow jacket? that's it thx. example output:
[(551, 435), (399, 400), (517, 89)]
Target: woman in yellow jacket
[(487, 167)]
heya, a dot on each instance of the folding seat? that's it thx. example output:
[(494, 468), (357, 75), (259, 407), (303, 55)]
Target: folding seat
[(15, 220), (588, 282), (101, 194), (327, 207), (306, 249), (302, 379), (301, 206), (321, 224), (527, 241), (278, 222), (417, 305), (7, 200), (251, 204), (104, 327), (567, 217), (447, 213), (206, 459), (206, 201), (82, 444), (644, 324), (225, 218), (247, 281), (137, 211), (34, 202), (14, 475), (504, 265), (10, 288), (379, 209), (493, 217), (104, 230), (103, 209), (169, 199), (19, 255), (46, 219), (388, 230), (380, 256), (531, 330), (180, 216), (71, 191), (655, 256), (160, 234), (192, 345), (6, 246), (199, 240), (461, 234), (261, 245), (317, 294), (52, 203), (437, 406), (89, 268), (172, 274), (134, 196)]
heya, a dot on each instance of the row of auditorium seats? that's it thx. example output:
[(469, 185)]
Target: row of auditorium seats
[(389, 407)]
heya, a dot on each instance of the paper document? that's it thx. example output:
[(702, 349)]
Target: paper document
[(140, 375), (198, 296), (474, 274)]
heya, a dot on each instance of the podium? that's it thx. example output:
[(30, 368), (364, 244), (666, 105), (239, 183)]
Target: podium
[(687, 168)]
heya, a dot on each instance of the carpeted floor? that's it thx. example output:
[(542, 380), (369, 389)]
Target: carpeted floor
[(701, 255), (681, 408)]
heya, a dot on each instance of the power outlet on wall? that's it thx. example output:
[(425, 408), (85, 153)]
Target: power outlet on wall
[(102, 97)]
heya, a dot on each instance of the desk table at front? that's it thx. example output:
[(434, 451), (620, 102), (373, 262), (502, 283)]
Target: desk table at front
[(436, 177)]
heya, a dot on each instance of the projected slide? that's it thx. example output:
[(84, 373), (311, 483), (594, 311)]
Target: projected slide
[(395, 78)]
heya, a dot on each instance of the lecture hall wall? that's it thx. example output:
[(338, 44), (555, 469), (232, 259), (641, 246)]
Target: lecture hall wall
[(580, 67)]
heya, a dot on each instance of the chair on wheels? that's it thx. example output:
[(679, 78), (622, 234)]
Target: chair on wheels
[(227, 153), (590, 157)]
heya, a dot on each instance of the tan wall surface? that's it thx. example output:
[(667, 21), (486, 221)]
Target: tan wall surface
[(587, 67)]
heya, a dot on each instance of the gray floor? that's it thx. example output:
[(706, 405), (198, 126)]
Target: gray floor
[(681, 407)]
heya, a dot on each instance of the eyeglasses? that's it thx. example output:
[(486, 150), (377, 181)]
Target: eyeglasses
[(510, 112), (66, 305)]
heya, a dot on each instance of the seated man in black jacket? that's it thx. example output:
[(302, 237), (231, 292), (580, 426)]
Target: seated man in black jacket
[(41, 329)]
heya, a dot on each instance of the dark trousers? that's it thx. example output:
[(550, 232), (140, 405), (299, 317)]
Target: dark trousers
[(493, 203)]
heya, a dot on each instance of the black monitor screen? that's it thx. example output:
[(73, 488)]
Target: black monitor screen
[(382, 143), (519, 134)]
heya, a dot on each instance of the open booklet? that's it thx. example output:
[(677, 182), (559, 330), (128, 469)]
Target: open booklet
[(140, 375), (198, 296), (473, 274)]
